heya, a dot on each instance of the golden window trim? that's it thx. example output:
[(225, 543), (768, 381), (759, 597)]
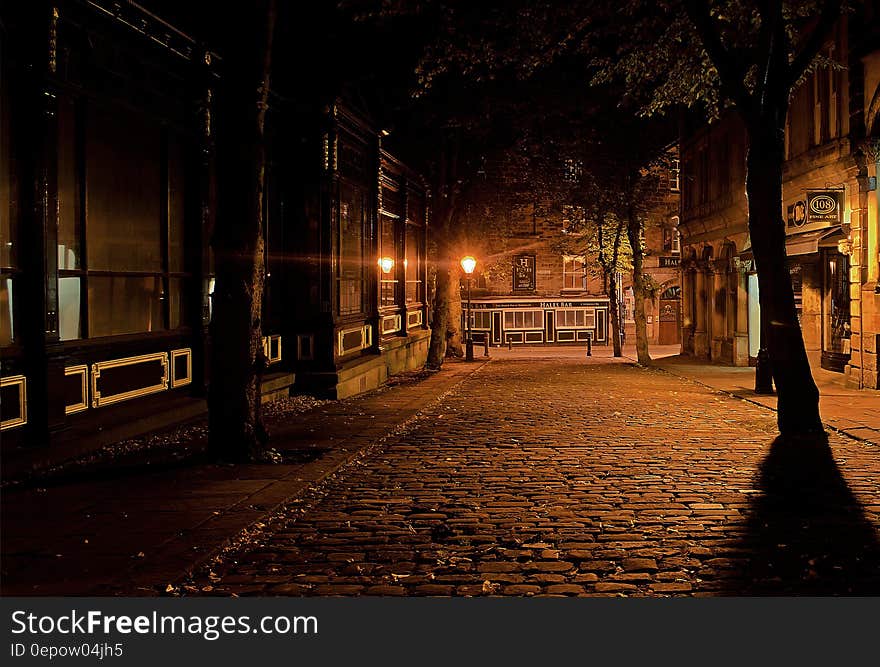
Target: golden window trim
[(267, 348), (175, 354), (366, 339), (99, 401), (83, 371), (21, 419), (395, 324)]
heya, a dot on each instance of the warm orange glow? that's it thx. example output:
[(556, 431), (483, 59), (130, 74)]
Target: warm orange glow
[(468, 263), (386, 264)]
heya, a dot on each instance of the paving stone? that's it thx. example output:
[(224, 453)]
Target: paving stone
[(671, 587), (614, 587), (639, 564), (524, 482), (565, 589), (522, 589)]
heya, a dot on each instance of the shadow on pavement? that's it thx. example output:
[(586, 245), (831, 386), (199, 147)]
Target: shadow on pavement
[(807, 534)]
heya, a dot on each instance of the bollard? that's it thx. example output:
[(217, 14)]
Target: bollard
[(589, 347), (509, 344), (486, 346)]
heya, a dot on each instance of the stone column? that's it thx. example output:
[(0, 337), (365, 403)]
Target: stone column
[(687, 307), (741, 325), (701, 302)]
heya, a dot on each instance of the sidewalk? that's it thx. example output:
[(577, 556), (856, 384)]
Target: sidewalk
[(125, 533), (853, 412)]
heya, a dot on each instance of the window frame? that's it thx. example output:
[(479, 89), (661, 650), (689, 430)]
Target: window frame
[(574, 259), (81, 107)]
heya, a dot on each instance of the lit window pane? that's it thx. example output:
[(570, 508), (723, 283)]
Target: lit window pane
[(124, 304), (69, 308), (176, 204), (8, 185), (68, 233), (6, 331), (123, 225), (176, 303)]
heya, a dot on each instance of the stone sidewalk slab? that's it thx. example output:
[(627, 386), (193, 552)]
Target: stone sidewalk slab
[(853, 412), (139, 531)]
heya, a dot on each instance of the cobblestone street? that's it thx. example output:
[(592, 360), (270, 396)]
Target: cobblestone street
[(564, 476)]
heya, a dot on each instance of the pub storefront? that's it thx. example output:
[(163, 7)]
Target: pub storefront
[(540, 321)]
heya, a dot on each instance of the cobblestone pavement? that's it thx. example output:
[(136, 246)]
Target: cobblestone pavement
[(570, 477)]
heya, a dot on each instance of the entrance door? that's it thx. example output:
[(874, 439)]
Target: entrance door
[(835, 347), (670, 327), (670, 317), (496, 327)]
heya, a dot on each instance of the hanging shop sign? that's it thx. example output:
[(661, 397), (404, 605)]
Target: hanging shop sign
[(825, 207), (797, 214), (524, 273)]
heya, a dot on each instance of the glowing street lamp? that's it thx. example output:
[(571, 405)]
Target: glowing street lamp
[(386, 264), (468, 264)]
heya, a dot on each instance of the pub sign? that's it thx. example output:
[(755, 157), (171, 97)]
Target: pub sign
[(524, 273), (825, 207)]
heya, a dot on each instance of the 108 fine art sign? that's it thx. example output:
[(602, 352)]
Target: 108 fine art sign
[(824, 206)]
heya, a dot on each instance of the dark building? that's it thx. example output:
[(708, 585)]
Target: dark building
[(106, 205)]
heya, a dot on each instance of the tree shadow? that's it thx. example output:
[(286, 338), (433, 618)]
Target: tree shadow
[(806, 533)]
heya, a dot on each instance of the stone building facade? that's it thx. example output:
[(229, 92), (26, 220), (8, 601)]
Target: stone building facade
[(532, 287), (829, 208)]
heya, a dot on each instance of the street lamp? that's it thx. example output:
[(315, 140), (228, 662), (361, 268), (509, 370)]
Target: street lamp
[(386, 264), (386, 291), (468, 264)]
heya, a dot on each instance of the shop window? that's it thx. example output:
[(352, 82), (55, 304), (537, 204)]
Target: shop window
[(6, 332), (481, 319), (574, 273), (524, 319), (350, 273), (414, 248), (575, 318), (176, 205), (8, 218), (132, 277), (389, 246)]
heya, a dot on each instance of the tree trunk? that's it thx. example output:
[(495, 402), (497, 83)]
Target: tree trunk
[(798, 396), (453, 320), (236, 431), (633, 233), (614, 306), (437, 347)]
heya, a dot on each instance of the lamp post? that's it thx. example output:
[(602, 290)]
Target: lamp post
[(468, 264)]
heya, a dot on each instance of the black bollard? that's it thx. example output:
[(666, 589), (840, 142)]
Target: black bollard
[(589, 347), (763, 373), (486, 346)]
